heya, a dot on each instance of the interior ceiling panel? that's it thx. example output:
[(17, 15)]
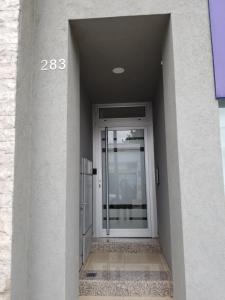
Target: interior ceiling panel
[(134, 43)]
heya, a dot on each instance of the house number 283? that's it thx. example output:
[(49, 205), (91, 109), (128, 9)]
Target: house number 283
[(53, 64)]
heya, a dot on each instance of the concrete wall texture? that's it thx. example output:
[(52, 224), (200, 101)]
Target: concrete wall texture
[(73, 171), (162, 190), (45, 225), (9, 17)]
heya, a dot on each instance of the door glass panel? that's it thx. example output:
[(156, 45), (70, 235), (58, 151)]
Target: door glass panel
[(126, 179)]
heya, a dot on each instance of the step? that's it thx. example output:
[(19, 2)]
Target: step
[(125, 245), (126, 268), (122, 298), (126, 283)]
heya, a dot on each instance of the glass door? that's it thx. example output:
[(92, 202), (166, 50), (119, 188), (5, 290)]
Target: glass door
[(124, 196)]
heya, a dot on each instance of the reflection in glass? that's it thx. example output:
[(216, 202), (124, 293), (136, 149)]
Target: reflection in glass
[(122, 112), (127, 181)]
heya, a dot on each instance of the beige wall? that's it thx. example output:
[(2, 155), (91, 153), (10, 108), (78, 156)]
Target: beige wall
[(9, 12)]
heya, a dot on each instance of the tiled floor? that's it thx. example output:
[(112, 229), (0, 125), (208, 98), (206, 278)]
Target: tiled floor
[(122, 298), (125, 271), (113, 261)]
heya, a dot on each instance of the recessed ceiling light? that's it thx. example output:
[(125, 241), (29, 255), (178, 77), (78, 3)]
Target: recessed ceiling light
[(118, 70)]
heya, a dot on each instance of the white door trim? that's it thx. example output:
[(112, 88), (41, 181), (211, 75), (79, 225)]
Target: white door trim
[(118, 124)]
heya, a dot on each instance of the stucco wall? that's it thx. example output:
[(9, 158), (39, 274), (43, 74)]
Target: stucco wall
[(22, 183), (193, 148), (9, 13), (73, 171), (172, 157), (162, 190)]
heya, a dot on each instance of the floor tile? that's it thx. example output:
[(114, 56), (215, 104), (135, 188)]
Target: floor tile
[(116, 267), (99, 257), (122, 298), (116, 262), (100, 298), (147, 298), (142, 258), (97, 261), (144, 262), (96, 266), (115, 257), (143, 267)]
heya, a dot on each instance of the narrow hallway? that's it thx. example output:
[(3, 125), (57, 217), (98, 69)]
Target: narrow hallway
[(124, 269)]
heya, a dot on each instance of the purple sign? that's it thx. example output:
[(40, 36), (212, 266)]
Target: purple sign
[(217, 17)]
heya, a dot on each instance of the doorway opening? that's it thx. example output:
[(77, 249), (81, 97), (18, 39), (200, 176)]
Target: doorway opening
[(123, 137), (124, 189)]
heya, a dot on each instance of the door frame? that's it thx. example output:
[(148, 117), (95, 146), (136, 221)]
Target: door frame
[(145, 123)]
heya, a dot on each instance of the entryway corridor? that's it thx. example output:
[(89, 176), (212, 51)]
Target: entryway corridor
[(124, 269)]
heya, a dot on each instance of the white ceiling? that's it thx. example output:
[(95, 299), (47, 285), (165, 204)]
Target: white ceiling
[(134, 43)]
